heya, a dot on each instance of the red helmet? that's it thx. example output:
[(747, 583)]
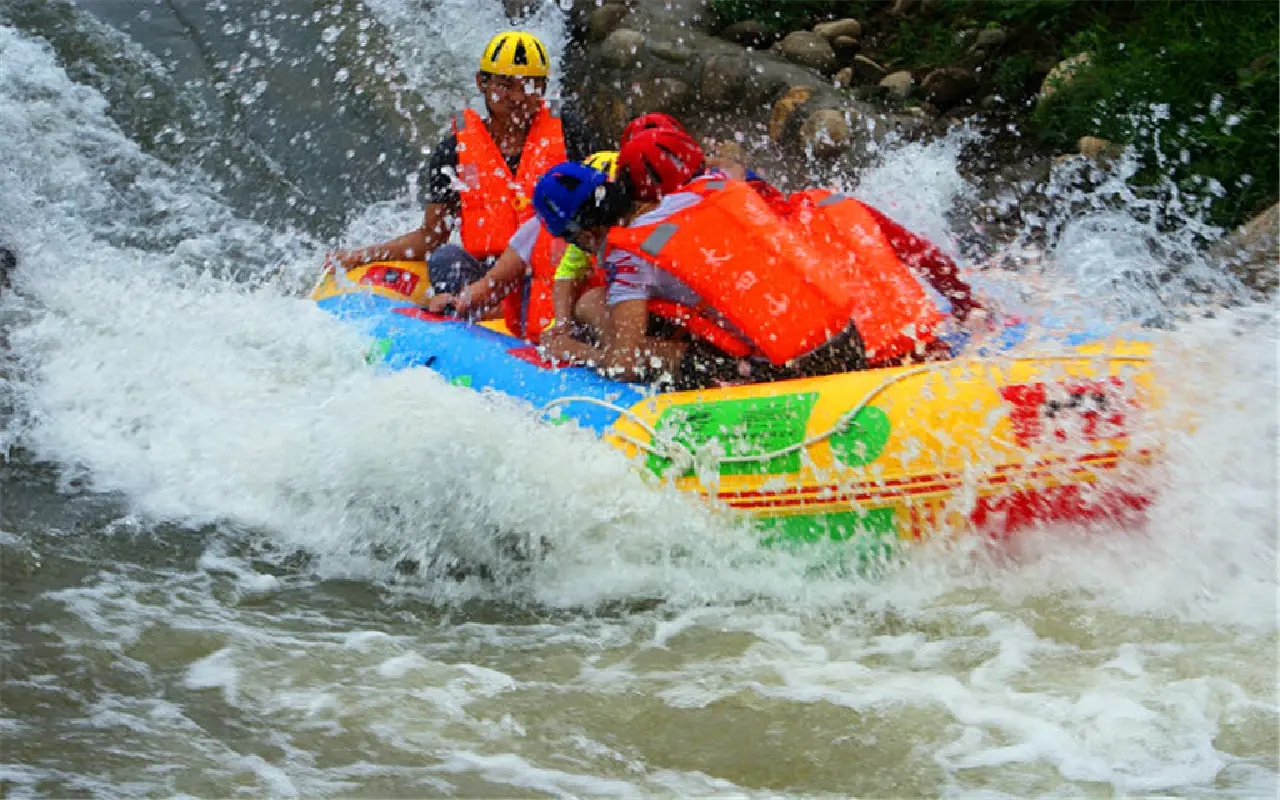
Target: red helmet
[(646, 122), (659, 161)]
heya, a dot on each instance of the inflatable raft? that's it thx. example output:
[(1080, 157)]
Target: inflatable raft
[(993, 442)]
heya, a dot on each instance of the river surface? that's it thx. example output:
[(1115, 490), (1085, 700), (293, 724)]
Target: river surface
[(208, 499)]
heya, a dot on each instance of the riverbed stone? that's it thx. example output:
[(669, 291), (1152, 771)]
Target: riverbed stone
[(898, 84), (750, 33), (605, 20), (784, 108), (668, 95), (1252, 251), (825, 133), (808, 49), (723, 79), (840, 27), (866, 72), (947, 86), (622, 48)]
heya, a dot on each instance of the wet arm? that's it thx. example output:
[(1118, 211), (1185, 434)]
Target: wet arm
[(628, 354), (496, 284)]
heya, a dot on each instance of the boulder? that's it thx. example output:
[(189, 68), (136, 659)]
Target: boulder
[(1252, 252), (769, 78), (826, 133), (784, 108), (622, 48), (990, 38), (723, 78), (841, 27), (673, 52), (808, 49), (1098, 149), (750, 33), (866, 72), (949, 86), (898, 84), (668, 95), (604, 20), (846, 47)]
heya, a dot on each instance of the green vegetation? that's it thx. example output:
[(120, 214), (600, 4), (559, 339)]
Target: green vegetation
[(1194, 85)]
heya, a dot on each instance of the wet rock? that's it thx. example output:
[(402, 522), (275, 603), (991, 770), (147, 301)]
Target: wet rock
[(622, 48), (846, 47), (826, 133), (605, 20), (841, 27), (768, 79), (723, 78), (1252, 252), (750, 33), (991, 38), (671, 51), (949, 86), (1098, 149), (867, 72), (808, 49), (1063, 73), (668, 95), (843, 78), (784, 108), (898, 84)]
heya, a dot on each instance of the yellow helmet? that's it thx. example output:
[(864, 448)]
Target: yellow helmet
[(605, 161), (516, 53)]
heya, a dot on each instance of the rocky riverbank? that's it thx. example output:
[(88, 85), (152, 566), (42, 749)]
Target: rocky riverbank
[(817, 102)]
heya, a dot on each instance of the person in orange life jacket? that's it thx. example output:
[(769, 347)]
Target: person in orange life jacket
[(527, 278), (479, 178), (580, 206)]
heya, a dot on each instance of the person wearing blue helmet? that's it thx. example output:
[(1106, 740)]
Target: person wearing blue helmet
[(580, 205)]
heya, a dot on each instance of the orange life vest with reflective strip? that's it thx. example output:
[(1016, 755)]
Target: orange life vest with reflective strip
[(755, 271), (495, 202), (893, 311)]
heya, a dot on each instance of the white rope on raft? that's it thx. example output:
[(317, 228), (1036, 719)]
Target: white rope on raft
[(676, 451)]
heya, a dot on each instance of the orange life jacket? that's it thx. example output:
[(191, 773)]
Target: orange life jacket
[(758, 273), (893, 311), (495, 202), (530, 308)]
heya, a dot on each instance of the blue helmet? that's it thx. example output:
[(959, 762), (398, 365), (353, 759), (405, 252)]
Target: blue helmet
[(564, 192)]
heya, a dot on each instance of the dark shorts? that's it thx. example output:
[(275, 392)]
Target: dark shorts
[(452, 268)]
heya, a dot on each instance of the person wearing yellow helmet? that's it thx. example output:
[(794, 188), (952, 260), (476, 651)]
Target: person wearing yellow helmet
[(539, 279), (480, 177)]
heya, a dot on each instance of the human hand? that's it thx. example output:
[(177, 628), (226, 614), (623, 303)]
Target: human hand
[(441, 303), (344, 259)]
